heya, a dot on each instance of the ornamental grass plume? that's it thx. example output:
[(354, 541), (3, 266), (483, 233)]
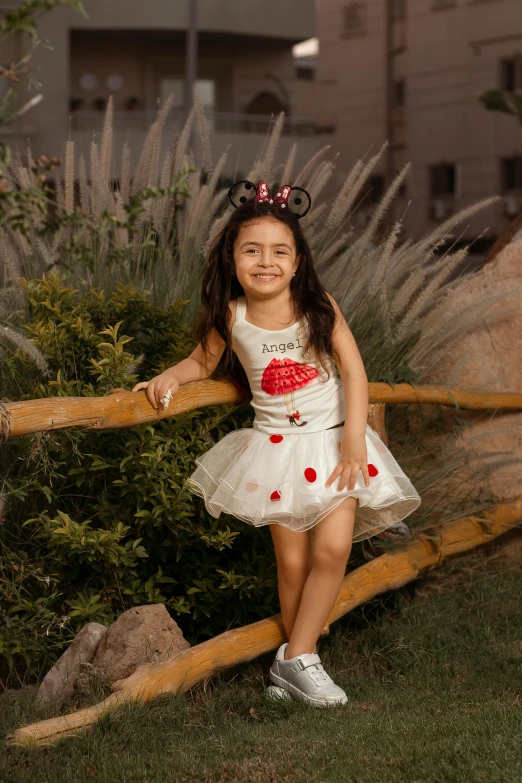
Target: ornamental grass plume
[(153, 230)]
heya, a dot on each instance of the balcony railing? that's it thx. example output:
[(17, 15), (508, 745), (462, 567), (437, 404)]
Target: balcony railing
[(218, 122)]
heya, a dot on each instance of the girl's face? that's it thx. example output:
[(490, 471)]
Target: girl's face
[(265, 257)]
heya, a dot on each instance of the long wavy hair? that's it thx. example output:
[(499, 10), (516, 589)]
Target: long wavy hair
[(219, 285)]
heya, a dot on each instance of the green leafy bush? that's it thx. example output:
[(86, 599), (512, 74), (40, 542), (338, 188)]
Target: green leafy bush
[(98, 521)]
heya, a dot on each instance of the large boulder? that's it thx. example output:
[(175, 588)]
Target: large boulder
[(142, 634), (489, 358), (59, 683)]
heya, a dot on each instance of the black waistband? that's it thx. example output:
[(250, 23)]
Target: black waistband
[(335, 425)]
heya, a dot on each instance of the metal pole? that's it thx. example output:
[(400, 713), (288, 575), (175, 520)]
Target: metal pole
[(191, 62)]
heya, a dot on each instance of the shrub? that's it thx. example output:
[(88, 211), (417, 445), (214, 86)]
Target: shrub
[(98, 521)]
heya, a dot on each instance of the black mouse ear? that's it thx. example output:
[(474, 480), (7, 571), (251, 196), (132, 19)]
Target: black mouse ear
[(241, 192), (299, 202)]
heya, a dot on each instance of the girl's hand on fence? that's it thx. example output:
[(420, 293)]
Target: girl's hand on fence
[(353, 459), (159, 389)]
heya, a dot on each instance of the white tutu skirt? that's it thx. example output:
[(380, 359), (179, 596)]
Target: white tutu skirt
[(280, 479)]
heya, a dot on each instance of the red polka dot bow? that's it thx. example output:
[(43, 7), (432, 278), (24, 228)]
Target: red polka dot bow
[(263, 194)]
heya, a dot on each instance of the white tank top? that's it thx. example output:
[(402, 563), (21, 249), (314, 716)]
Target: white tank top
[(288, 393)]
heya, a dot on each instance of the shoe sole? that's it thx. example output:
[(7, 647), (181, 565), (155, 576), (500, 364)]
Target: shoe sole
[(302, 696)]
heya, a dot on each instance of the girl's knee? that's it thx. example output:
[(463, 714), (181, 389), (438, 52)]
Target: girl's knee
[(293, 567), (332, 554), (293, 551)]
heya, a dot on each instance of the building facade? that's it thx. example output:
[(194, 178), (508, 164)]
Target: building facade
[(135, 52), (408, 72)]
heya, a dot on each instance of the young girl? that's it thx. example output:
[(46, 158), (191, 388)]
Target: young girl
[(310, 460)]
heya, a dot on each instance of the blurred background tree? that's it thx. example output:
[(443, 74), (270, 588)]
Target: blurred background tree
[(509, 102), (23, 19)]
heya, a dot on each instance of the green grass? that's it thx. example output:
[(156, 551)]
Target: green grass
[(433, 672)]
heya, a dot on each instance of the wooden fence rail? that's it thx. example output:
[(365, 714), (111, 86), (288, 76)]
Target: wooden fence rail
[(122, 408)]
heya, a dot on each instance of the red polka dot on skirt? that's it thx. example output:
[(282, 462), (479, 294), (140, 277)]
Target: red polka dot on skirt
[(310, 474)]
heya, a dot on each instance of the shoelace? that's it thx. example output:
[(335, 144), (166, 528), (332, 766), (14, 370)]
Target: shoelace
[(318, 674)]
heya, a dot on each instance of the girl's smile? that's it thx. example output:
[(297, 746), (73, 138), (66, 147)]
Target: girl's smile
[(265, 277)]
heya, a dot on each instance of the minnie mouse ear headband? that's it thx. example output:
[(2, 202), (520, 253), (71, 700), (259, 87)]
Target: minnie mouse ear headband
[(295, 200)]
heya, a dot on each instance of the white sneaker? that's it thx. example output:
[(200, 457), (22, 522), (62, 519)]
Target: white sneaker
[(305, 678)]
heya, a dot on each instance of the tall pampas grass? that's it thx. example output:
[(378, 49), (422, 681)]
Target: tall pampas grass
[(12, 337), (390, 287), (153, 230)]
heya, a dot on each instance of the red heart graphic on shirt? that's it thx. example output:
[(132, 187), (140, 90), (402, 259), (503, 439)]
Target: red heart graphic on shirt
[(276, 438)]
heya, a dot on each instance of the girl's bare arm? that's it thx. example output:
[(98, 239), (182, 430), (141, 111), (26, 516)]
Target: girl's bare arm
[(199, 365), (353, 375), (196, 367)]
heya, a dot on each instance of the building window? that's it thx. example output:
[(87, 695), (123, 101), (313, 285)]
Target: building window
[(512, 174), (399, 93), (175, 85), (355, 19), (511, 74), (398, 9), (443, 179), (305, 72)]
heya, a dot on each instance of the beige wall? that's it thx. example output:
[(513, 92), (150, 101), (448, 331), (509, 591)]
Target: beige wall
[(291, 20), (317, 101), (450, 55)]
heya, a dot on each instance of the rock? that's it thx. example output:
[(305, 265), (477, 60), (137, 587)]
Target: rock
[(489, 358), (60, 681), (142, 634), (88, 678)]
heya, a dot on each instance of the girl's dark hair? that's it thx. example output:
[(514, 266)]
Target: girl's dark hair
[(219, 286)]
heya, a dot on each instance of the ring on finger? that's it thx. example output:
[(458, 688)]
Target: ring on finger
[(166, 399)]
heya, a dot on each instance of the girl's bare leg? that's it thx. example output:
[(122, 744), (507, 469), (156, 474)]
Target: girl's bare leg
[(332, 547), (294, 559)]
